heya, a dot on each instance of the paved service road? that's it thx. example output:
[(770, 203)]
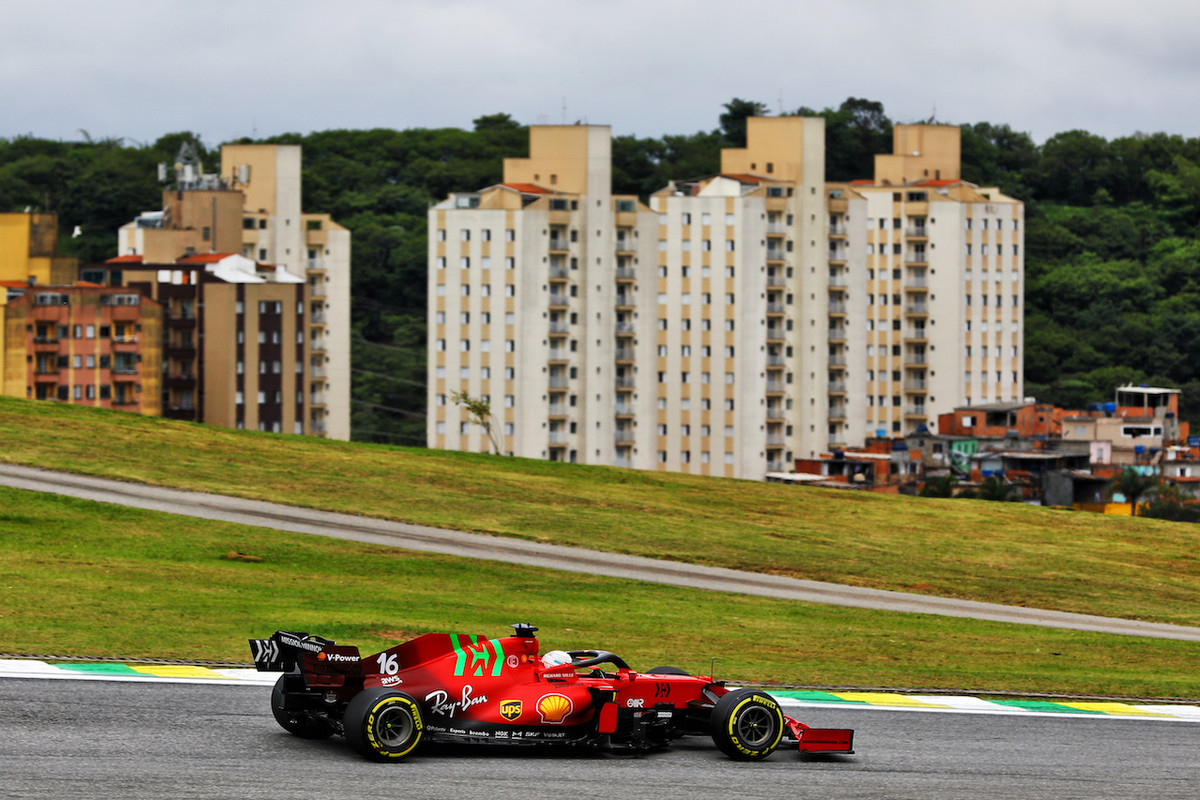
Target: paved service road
[(68, 739), (571, 559)]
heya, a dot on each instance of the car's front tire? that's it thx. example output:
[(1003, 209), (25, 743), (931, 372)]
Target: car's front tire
[(383, 724), (746, 725)]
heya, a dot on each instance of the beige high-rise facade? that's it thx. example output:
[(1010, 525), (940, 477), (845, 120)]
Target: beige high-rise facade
[(735, 323), (288, 259)]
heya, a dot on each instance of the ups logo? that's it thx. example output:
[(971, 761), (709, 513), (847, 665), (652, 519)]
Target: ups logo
[(510, 709)]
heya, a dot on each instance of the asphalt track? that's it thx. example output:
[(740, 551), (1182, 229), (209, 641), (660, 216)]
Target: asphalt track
[(570, 559), (75, 739)]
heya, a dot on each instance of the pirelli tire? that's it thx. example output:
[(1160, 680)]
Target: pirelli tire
[(746, 725), (294, 722), (384, 724), (667, 670)]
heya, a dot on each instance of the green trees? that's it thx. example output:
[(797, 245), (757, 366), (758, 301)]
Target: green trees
[(1112, 236), (1134, 486)]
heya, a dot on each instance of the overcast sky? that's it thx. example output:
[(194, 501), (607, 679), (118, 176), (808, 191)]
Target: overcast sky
[(136, 70)]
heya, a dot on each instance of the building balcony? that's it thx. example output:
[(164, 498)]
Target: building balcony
[(836, 387), (915, 386), (776, 387), (558, 244), (625, 354), (558, 299), (838, 282), (837, 308), (624, 410), (625, 246), (557, 410), (916, 232), (837, 413), (917, 258), (623, 382), (625, 300), (776, 361), (623, 436), (559, 273), (776, 280), (836, 334), (559, 329), (915, 359), (916, 309), (558, 438), (625, 329), (559, 354), (316, 399), (775, 333), (127, 339), (917, 334), (46, 375), (775, 412), (915, 411), (558, 382), (775, 466), (775, 254), (626, 273), (776, 440), (776, 309), (45, 343)]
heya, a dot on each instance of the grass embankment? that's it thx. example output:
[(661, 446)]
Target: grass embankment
[(87, 578), (1006, 553)]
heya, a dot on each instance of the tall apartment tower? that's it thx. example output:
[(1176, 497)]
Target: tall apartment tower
[(934, 291), (245, 226), (737, 322)]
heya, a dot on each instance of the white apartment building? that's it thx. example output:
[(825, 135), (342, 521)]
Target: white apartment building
[(736, 323)]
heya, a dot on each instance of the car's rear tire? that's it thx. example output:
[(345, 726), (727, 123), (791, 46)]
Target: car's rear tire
[(294, 722), (746, 725), (383, 724)]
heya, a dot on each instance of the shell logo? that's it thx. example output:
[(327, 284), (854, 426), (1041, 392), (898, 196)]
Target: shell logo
[(554, 708)]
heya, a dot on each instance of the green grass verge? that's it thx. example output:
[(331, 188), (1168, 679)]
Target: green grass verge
[(995, 552), (79, 577)]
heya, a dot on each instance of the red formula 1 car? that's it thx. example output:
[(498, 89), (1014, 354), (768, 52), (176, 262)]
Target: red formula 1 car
[(458, 688)]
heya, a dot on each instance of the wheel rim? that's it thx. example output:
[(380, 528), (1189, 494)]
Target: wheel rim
[(756, 727), (393, 726)]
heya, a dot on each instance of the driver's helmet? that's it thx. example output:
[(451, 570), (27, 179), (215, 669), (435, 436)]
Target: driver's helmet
[(555, 658)]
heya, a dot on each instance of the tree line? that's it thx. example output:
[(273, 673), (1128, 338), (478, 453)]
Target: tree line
[(1112, 240)]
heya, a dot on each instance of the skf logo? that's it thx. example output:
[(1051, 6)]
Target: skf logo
[(510, 709), (554, 708)]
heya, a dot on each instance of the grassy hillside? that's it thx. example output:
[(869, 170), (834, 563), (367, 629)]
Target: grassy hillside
[(996, 552), (88, 578)]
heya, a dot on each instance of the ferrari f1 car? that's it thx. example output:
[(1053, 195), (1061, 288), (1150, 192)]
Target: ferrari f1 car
[(444, 687)]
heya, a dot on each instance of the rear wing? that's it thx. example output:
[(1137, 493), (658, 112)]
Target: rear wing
[(283, 651)]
